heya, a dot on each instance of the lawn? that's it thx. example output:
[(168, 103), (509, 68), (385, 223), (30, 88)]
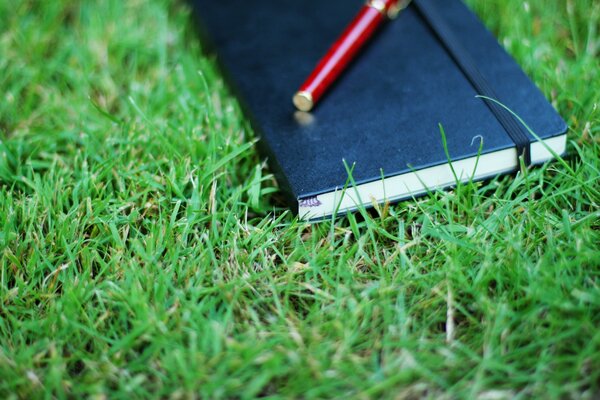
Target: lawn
[(145, 250)]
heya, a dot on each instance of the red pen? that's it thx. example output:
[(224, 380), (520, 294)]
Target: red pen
[(343, 51)]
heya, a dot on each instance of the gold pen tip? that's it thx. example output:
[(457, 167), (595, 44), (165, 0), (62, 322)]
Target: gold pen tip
[(303, 101)]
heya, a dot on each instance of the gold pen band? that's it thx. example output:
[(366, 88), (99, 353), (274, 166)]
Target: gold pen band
[(393, 11), (378, 5)]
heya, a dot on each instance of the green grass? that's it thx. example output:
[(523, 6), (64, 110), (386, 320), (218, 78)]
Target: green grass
[(144, 250)]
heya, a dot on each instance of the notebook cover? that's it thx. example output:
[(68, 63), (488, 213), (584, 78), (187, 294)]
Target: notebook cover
[(383, 114)]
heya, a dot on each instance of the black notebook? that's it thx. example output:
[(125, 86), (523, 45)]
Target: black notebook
[(381, 120)]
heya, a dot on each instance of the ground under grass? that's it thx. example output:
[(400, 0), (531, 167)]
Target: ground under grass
[(144, 250)]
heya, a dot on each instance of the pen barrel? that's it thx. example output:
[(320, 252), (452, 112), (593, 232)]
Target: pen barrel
[(343, 51)]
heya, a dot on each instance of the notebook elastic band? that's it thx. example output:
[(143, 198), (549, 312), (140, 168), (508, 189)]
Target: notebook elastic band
[(469, 68)]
